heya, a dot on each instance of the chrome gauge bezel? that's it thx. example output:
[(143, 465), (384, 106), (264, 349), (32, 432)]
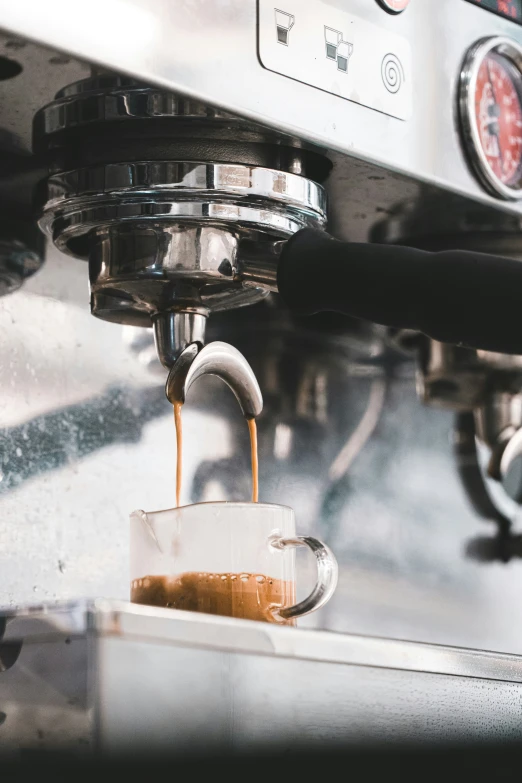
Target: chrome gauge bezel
[(512, 51), (390, 9)]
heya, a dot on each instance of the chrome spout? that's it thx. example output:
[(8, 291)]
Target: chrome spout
[(222, 360), (174, 331)]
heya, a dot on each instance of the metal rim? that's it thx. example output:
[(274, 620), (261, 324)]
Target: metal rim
[(471, 136), (236, 195), (101, 100), (82, 217), (188, 179)]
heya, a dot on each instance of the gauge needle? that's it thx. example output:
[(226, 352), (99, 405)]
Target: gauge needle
[(495, 126)]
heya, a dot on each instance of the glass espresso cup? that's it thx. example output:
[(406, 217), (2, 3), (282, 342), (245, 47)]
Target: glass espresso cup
[(230, 559)]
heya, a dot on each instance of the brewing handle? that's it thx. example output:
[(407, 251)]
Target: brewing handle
[(453, 296), (327, 575)]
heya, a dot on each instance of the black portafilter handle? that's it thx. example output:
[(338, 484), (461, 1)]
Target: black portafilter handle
[(454, 296)]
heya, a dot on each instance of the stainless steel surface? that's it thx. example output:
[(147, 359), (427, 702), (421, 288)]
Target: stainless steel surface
[(512, 452), (365, 186), (46, 702), (151, 623), (156, 45), (258, 263), (139, 271), (464, 379), (327, 575), (225, 362), (254, 197), (239, 684), (17, 263), (107, 97), (487, 385), (512, 50), (497, 423), (173, 332), (39, 623), (499, 417), (43, 73), (332, 49), (450, 376), (164, 238)]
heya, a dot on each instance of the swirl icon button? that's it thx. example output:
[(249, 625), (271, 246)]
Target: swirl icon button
[(392, 73)]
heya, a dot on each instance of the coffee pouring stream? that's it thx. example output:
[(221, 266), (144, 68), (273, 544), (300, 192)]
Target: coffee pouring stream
[(225, 362)]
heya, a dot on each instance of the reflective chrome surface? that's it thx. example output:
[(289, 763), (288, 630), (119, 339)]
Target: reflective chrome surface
[(136, 272), (37, 622), (173, 241), (173, 332), (111, 97), (161, 177), (241, 685), (157, 46), (225, 362), (461, 378), (499, 417)]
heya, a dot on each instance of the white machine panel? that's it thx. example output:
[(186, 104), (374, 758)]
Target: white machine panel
[(338, 52)]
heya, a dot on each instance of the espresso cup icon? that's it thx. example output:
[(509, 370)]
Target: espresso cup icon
[(337, 48), (284, 23)]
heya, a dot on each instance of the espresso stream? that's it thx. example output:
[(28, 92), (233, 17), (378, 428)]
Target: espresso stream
[(252, 428), (179, 449)]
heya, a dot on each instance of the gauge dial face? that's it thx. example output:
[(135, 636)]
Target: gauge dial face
[(490, 106), (498, 114)]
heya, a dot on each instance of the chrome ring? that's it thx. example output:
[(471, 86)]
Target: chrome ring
[(468, 85), (186, 180), (64, 225), (239, 196), (103, 100)]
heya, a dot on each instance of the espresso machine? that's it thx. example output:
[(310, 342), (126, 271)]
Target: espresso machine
[(334, 189)]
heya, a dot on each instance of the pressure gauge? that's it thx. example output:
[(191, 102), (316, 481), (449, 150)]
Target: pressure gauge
[(490, 103), (394, 6)]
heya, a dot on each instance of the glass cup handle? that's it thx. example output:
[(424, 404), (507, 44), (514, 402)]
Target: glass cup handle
[(327, 575)]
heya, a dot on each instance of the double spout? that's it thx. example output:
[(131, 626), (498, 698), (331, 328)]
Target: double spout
[(223, 361)]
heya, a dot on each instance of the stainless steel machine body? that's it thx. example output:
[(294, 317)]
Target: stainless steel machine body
[(118, 678), (157, 44)]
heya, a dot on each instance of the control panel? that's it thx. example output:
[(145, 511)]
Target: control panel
[(327, 47)]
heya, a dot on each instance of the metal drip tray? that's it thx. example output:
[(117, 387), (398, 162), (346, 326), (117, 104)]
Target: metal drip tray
[(117, 676)]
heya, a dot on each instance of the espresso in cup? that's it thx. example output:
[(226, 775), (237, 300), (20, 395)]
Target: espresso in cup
[(229, 559), (246, 596)]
